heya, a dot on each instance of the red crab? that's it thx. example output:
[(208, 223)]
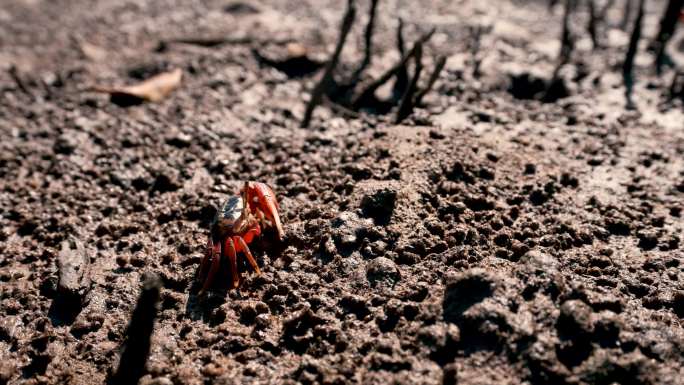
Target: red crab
[(238, 221)]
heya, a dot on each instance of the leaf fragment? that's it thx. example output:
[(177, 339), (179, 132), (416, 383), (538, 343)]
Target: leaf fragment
[(154, 89)]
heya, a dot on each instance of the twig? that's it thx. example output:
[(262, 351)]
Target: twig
[(406, 105), (402, 75), (327, 78), (439, 66), (592, 25), (565, 54), (627, 14), (368, 37), (604, 11), (476, 33), (139, 332), (567, 39), (628, 65), (401, 45), (677, 86), (369, 91), (668, 23), (14, 73)]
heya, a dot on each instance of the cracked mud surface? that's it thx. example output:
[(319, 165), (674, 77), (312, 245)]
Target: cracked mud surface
[(487, 239)]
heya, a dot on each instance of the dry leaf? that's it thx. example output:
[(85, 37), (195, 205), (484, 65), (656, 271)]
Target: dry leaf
[(296, 50), (153, 89)]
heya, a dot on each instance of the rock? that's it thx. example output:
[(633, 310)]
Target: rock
[(356, 305), (165, 182), (382, 271), (156, 381), (122, 260), (538, 261), (85, 324), (298, 330), (7, 370), (568, 180), (678, 303), (379, 205), (180, 140), (73, 263), (441, 340), (348, 230), (648, 239), (450, 374), (607, 329), (65, 144), (574, 325), (575, 318), (358, 172), (634, 368), (618, 226), (464, 290)]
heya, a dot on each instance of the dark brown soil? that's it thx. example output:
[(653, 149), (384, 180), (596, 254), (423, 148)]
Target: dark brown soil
[(490, 238)]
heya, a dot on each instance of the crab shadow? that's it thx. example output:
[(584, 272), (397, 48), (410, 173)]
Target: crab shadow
[(204, 307)]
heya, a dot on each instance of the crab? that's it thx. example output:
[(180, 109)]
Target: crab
[(236, 224)]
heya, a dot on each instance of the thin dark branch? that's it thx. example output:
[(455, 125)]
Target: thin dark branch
[(401, 45), (677, 86), (668, 23), (402, 76), (406, 105), (565, 54), (627, 14), (439, 66), (14, 73), (369, 91), (604, 11), (368, 39), (567, 38), (592, 26), (139, 333), (628, 65), (327, 78), (476, 33)]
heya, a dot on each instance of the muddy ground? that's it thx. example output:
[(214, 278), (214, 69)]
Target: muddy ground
[(486, 239)]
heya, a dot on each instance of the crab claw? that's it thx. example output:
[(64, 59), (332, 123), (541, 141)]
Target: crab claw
[(262, 199)]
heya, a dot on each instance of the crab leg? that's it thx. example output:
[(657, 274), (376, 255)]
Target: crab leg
[(241, 245), (251, 233), (266, 203), (229, 249), (204, 265), (215, 259)]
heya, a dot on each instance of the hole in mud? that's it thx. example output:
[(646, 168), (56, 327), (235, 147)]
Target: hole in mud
[(526, 86), (36, 367), (64, 310)]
